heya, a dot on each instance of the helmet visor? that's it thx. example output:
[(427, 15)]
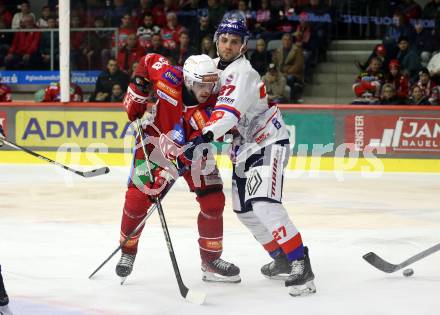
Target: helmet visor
[(205, 87)]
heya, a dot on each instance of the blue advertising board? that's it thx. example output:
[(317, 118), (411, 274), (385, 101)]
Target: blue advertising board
[(46, 77)]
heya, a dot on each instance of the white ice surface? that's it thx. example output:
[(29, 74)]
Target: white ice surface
[(54, 232)]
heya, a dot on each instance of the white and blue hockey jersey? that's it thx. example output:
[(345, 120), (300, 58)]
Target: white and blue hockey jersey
[(242, 103)]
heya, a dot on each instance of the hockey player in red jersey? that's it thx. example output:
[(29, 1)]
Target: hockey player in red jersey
[(179, 114)]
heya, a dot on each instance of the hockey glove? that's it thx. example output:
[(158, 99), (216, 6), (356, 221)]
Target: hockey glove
[(135, 101), (161, 180), (204, 138)]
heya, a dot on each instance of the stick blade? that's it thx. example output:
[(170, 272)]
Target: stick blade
[(379, 263), (195, 297), (97, 172)]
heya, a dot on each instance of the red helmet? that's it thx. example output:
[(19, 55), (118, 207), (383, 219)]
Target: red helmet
[(380, 50), (394, 63)]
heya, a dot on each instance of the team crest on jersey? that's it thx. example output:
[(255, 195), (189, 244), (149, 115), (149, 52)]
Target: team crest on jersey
[(216, 115), (229, 78), (171, 77), (166, 97)]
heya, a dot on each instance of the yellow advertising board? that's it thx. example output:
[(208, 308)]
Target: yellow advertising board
[(84, 128)]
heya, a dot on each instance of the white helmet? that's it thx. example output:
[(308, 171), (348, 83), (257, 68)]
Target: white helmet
[(201, 69)]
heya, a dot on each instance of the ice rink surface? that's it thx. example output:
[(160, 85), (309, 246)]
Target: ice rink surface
[(55, 229)]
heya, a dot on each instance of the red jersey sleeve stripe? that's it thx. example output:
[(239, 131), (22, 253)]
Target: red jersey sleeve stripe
[(229, 109)]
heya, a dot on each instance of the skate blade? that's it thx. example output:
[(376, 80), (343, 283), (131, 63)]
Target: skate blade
[(123, 280), (303, 289), (278, 277), (213, 277)]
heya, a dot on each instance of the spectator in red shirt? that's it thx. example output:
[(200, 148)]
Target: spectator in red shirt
[(52, 93), (130, 53), (398, 79), (126, 28), (370, 80), (170, 33), (5, 93), (24, 48)]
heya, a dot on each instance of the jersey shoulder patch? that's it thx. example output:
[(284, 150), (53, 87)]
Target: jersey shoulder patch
[(173, 75)]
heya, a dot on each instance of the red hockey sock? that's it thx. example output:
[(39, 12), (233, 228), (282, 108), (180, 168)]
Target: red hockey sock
[(210, 224), (135, 208)]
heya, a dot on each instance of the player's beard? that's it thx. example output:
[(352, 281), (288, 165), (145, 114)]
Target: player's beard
[(227, 56)]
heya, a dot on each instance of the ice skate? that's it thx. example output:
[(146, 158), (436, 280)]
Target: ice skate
[(278, 269), (220, 271), (125, 266), (5, 310), (300, 281)]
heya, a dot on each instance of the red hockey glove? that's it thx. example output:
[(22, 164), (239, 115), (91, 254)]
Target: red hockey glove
[(198, 118), (135, 100), (161, 180)]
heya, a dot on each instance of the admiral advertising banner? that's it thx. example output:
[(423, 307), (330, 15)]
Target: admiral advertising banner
[(52, 129), (395, 133)]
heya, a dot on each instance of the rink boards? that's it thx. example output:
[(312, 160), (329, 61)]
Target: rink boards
[(322, 137)]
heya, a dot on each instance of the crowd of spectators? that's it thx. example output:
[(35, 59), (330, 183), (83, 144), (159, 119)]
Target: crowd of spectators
[(403, 69), (180, 28), (173, 28)]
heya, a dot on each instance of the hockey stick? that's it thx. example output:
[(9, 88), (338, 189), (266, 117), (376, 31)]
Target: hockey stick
[(190, 295), (387, 267), (87, 174), (129, 236)]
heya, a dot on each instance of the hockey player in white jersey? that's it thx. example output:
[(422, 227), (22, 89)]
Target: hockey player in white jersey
[(260, 152)]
